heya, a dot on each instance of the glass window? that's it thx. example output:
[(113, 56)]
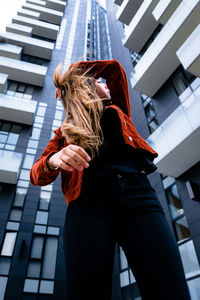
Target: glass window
[(46, 287), (194, 288), (189, 259), (24, 174), (37, 246), (58, 115), (123, 260), (15, 214), (3, 138), (34, 269), (35, 133), (174, 201), (5, 265), (9, 243), (31, 285), (182, 229), (48, 187), (16, 129), (53, 230), (41, 217), (44, 204), (50, 254), (39, 229), (41, 111), (28, 161), (12, 226), (33, 144), (39, 119), (23, 183), (124, 278), (31, 151), (3, 283)]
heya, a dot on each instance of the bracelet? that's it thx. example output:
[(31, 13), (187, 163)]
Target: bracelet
[(50, 166)]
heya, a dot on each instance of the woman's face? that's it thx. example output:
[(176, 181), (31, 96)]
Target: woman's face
[(102, 89)]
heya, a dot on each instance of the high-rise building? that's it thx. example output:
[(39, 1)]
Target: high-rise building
[(157, 44), (163, 38)]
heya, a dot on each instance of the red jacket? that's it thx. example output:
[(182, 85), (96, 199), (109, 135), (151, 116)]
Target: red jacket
[(71, 182)]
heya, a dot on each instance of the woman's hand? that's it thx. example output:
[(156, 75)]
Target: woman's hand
[(70, 157)]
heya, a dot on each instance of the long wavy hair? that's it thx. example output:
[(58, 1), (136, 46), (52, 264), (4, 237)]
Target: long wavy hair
[(83, 108)]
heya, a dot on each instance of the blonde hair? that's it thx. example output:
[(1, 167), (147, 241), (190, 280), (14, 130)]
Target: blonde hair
[(83, 108)]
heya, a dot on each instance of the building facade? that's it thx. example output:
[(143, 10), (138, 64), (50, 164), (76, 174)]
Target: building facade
[(163, 40), (45, 33)]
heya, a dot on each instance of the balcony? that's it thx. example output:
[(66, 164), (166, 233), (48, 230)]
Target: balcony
[(141, 27), (52, 4), (40, 28), (11, 51), (19, 29), (10, 163), (177, 139), (22, 71), (118, 2), (46, 14), (31, 46), (191, 62), (127, 10), (28, 14), (164, 10), (17, 109), (3, 82), (160, 60)]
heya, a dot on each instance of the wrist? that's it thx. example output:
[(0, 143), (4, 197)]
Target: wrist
[(49, 164)]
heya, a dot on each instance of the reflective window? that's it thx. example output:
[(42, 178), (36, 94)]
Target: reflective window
[(123, 260), (4, 265), (12, 226), (15, 214), (24, 174), (3, 283), (34, 269), (31, 285), (189, 259), (124, 278), (194, 288), (41, 217), (53, 230), (46, 287), (33, 144), (182, 229), (9, 243), (37, 246), (58, 115), (174, 201), (35, 133), (50, 254), (41, 111), (28, 161), (39, 229)]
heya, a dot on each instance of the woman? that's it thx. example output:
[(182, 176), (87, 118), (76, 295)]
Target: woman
[(104, 164)]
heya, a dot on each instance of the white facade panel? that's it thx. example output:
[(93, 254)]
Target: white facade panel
[(141, 27), (19, 29), (3, 82), (46, 14), (164, 10), (17, 109), (10, 166), (31, 46), (189, 53), (11, 51), (40, 28), (23, 71), (177, 139), (29, 14), (160, 60)]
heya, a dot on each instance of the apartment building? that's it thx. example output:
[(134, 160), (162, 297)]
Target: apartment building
[(163, 39)]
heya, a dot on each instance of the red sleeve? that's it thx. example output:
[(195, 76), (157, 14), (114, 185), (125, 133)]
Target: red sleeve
[(116, 80), (40, 173)]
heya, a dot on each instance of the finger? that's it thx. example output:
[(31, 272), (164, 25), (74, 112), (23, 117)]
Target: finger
[(77, 158), (63, 165), (71, 162), (80, 151)]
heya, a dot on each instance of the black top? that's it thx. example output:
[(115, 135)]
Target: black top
[(114, 153)]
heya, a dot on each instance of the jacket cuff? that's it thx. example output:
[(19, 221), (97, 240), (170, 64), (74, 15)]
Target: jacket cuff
[(45, 168)]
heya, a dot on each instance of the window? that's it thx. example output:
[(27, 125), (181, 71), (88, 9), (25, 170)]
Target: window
[(18, 89), (174, 201), (9, 243), (9, 135), (150, 113), (181, 79)]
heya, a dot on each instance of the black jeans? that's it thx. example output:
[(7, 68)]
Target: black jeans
[(120, 207)]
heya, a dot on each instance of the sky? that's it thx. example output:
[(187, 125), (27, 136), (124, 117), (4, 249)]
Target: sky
[(8, 9)]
